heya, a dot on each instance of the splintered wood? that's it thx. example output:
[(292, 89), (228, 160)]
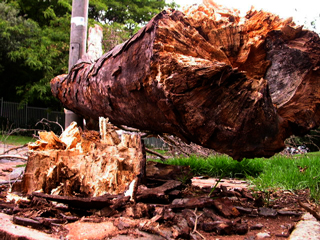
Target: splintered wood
[(75, 165), (240, 85)]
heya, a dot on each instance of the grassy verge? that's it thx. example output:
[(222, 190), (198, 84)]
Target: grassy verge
[(15, 139), (278, 172), (290, 173), (220, 165)]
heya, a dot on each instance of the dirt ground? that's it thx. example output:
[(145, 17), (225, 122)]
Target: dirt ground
[(277, 227)]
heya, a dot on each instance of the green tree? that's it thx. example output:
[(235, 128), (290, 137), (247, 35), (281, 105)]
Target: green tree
[(35, 40), (42, 54), (15, 31), (114, 34), (131, 13), (139, 11), (121, 19)]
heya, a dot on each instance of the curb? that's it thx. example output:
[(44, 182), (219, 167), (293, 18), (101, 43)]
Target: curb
[(307, 229), (11, 231)]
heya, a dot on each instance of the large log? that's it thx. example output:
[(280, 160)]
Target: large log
[(238, 85)]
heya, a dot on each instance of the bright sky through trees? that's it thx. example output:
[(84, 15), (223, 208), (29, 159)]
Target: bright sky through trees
[(303, 11)]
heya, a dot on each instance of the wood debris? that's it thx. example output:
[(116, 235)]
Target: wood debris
[(73, 165), (189, 214)]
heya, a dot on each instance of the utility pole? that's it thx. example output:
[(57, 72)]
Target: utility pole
[(78, 42)]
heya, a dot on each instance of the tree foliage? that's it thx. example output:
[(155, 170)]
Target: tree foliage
[(138, 11), (13, 29), (34, 40), (38, 50)]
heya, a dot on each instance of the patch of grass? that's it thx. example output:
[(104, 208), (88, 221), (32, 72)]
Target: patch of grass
[(290, 173), (279, 172), (220, 165), (310, 154), (15, 139), (21, 165)]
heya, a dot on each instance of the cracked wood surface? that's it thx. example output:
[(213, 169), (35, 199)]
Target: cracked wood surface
[(80, 166), (238, 85)]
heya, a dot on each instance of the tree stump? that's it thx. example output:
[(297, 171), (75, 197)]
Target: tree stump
[(85, 165)]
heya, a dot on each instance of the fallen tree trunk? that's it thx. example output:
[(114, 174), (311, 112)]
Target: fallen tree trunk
[(240, 86)]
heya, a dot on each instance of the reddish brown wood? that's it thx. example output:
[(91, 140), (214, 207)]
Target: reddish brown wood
[(240, 86), (85, 203)]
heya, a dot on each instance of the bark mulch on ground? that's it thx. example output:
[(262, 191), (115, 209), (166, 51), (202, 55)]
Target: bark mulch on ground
[(165, 208)]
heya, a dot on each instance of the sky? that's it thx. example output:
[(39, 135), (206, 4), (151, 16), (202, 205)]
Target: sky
[(302, 11)]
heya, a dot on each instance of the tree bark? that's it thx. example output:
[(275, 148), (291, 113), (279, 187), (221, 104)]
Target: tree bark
[(240, 86)]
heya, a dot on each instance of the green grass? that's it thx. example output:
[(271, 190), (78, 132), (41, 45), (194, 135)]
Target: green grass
[(21, 165), (283, 173), (219, 165), (278, 172), (161, 151), (15, 139)]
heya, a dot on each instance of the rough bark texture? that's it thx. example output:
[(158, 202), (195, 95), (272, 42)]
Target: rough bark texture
[(240, 86)]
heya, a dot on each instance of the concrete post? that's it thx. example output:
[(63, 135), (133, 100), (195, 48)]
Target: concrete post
[(78, 40)]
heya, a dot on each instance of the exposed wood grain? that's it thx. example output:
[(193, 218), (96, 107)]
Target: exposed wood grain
[(240, 86), (85, 167)]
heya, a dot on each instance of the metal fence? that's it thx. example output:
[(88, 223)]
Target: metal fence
[(15, 115), (154, 142), (24, 116)]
